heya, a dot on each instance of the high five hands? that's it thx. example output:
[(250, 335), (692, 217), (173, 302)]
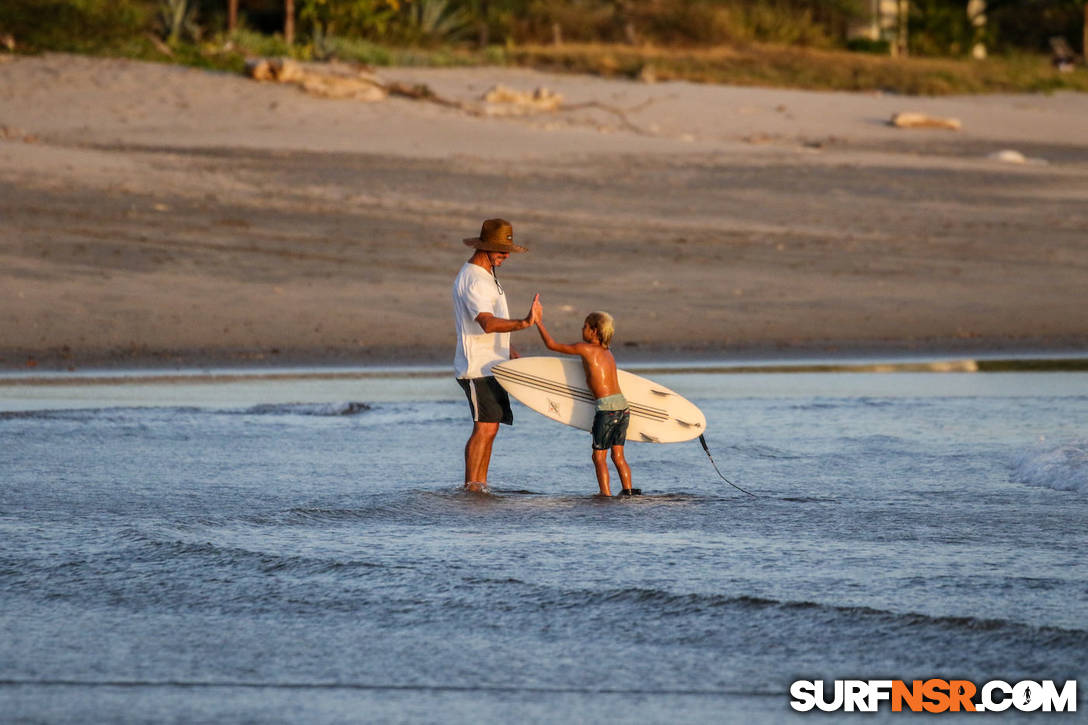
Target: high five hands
[(536, 311)]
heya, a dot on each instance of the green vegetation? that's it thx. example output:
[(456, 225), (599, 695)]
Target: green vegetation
[(74, 25), (1030, 365), (770, 65), (795, 43)]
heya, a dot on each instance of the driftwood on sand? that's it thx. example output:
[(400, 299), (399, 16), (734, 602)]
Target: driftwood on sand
[(334, 81), (343, 81), (908, 119)]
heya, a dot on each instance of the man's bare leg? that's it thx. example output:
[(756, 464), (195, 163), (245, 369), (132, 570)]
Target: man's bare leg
[(621, 467), (478, 455), (486, 460), (600, 463)]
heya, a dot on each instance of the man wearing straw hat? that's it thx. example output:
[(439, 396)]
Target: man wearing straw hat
[(483, 339)]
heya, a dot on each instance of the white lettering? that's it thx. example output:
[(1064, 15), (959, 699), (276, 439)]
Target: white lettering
[(821, 699), (1065, 701), (878, 690), (804, 695), (1027, 696), (855, 695), (988, 701)]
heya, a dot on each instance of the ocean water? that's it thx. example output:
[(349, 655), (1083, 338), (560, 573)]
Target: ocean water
[(300, 551)]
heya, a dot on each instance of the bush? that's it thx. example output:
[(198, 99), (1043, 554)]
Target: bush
[(866, 45), (256, 44), (74, 25), (690, 23)]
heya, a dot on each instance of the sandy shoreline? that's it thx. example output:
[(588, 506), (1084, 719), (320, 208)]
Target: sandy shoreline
[(407, 372), (156, 216)]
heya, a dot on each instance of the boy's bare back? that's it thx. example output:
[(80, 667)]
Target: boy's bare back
[(597, 360), (600, 367)]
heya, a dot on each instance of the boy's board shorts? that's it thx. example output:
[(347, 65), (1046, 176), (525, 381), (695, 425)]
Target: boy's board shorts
[(610, 422), (488, 401)]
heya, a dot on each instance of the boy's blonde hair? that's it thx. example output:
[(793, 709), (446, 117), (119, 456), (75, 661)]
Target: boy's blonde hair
[(603, 324)]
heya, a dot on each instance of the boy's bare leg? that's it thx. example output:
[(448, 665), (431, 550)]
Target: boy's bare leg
[(600, 463), (478, 455), (621, 467)]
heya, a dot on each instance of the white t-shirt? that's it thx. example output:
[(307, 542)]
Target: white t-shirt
[(475, 291)]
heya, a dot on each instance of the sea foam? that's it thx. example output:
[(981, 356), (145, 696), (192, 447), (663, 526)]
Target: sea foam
[(1063, 468), (318, 409)]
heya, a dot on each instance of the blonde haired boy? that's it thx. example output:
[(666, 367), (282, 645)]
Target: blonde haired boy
[(613, 414)]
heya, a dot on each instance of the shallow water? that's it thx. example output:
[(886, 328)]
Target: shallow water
[(300, 550)]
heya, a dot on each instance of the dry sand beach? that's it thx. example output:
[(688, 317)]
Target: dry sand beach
[(156, 215)]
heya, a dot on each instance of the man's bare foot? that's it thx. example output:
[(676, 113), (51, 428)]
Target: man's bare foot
[(476, 487)]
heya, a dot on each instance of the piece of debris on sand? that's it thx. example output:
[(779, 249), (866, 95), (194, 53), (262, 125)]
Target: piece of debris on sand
[(9, 133), (910, 119), (1012, 156), (323, 81), (503, 101)]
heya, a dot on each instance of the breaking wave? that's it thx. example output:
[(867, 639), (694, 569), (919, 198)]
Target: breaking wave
[(1062, 468), (345, 408), (318, 409)]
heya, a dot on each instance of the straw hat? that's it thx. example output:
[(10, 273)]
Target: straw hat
[(496, 235)]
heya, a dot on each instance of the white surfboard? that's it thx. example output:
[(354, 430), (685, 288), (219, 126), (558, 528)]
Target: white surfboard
[(556, 387)]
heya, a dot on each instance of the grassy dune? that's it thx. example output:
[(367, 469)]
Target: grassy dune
[(780, 66), (746, 63), (752, 64)]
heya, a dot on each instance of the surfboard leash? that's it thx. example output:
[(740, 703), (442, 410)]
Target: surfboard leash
[(702, 440)]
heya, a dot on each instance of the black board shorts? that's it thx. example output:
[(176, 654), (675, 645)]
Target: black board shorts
[(488, 400), (610, 428)]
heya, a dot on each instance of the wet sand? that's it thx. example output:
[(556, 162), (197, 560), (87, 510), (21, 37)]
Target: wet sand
[(161, 216)]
